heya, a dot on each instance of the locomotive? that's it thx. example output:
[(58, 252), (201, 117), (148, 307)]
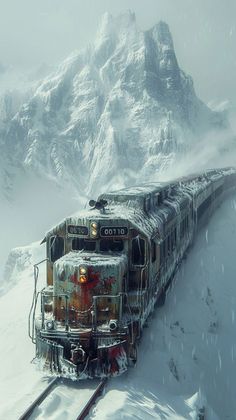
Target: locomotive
[(108, 266)]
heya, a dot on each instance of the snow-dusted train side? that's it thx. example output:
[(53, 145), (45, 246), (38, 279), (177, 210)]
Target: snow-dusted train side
[(109, 265)]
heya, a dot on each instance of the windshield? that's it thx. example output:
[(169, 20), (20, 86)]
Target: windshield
[(111, 245), (79, 243), (104, 245)]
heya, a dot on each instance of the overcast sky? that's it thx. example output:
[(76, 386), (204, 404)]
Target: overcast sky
[(33, 32)]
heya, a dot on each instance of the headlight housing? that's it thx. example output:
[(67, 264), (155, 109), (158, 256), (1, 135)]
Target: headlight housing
[(94, 229)]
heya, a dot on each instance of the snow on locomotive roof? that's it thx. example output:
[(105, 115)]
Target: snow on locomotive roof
[(130, 203), (131, 212), (136, 191)]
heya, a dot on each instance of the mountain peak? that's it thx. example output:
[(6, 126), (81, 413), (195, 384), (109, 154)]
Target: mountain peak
[(109, 25), (106, 25), (113, 31), (126, 19), (162, 35)]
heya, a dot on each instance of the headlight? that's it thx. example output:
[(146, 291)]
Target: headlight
[(83, 279), (49, 325), (113, 324), (83, 270), (94, 229)]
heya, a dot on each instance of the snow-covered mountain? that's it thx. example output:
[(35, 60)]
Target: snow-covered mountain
[(120, 107)]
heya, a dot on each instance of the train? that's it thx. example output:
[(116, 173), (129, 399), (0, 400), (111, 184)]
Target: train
[(109, 265)]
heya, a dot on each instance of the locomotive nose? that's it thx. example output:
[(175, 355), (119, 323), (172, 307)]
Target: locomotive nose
[(82, 282)]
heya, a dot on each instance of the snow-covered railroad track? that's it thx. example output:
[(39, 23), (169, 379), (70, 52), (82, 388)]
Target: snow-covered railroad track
[(26, 415), (98, 391), (60, 392)]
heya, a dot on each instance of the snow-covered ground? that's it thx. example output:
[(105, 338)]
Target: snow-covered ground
[(19, 380), (186, 356)]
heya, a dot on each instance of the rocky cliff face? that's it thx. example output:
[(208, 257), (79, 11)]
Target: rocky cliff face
[(112, 114)]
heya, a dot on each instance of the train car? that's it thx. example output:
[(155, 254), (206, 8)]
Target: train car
[(109, 265)]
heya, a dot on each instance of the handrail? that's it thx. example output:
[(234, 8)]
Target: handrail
[(31, 328)]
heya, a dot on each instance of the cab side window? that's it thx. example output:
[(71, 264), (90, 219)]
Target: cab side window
[(56, 245), (138, 251)]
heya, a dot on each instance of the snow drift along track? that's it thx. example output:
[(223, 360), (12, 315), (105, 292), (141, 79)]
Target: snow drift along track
[(53, 388)]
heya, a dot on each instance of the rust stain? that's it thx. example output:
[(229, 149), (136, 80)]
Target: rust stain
[(93, 280), (114, 354)]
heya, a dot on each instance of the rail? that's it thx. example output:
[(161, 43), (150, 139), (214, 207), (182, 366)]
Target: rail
[(52, 385), (26, 415), (98, 391)]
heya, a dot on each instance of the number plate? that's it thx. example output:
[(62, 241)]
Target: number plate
[(109, 231), (77, 230)]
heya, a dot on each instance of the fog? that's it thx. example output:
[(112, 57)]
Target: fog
[(204, 32), (215, 150)]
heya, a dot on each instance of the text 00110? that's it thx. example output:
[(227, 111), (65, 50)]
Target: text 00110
[(114, 231)]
